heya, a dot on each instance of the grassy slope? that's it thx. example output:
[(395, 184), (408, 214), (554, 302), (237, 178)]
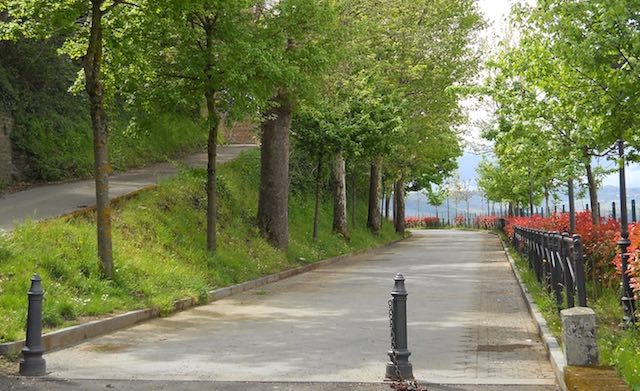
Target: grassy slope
[(159, 241), (617, 347)]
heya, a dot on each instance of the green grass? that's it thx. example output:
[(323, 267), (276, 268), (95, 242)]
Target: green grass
[(617, 347), (159, 249)]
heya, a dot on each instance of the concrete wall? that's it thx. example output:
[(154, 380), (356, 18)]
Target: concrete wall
[(6, 167)]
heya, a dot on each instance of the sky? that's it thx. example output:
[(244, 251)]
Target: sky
[(496, 13)]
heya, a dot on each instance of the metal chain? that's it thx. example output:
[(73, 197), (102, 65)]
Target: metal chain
[(394, 355), (400, 384)]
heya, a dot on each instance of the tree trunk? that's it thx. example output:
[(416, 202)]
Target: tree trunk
[(212, 144), (593, 195), (95, 90), (339, 196), (273, 203), (546, 202), (387, 202), (398, 190), (316, 213), (383, 195), (373, 217), (354, 197)]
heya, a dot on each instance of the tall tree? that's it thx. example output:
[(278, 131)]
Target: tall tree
[(298, 35), (190, 52), (83, 22)]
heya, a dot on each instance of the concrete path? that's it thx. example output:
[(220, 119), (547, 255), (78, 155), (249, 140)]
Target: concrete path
[(468, 327), (41, 202)]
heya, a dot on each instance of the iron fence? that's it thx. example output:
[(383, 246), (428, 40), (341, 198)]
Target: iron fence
[(557, 261)]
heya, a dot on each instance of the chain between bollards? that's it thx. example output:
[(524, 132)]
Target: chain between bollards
[(32, 363)]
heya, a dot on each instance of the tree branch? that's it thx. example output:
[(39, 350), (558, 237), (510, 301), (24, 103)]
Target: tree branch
[(117, 3)]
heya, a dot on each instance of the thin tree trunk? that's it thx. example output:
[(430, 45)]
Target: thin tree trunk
[(399, 202), (530, 194), (339, 196), (212, 144), (95, 91), (273, 203), (373, 218), (387, 204), (354, 197), (546, 202), (383, 195), (593, 195), (316, 213)]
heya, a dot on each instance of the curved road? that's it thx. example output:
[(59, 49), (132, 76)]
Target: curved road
[(469, 329), (46, 201)]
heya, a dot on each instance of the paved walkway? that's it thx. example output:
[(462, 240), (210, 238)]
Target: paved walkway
[(468, 327), (41, 202)]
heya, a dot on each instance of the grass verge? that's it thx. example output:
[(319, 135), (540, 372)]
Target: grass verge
[(159, 249), (617, 347)]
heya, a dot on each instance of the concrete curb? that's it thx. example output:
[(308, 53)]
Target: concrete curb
[(554, 351), (73, 335)]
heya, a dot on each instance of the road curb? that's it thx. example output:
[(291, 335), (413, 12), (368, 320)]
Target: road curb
[(74, 335), (554, 351)]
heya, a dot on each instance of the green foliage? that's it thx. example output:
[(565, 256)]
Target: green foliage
[(52, 133), (566, 90), (160, 252)]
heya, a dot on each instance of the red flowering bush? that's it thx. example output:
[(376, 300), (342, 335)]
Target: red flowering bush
[(598, 240), (634, 257), (487, 222), (422, 222), (459, 220)]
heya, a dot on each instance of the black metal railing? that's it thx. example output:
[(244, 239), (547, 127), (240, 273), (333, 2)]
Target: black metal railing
[(557, 261)]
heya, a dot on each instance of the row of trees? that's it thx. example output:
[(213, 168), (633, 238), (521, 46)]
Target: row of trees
[(566, 88), (362, 81)]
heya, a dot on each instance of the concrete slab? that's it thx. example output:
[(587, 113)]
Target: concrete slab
[(46, 201), (468, 325)]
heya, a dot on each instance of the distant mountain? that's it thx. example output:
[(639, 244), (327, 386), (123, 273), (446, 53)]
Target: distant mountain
[(418, 205)]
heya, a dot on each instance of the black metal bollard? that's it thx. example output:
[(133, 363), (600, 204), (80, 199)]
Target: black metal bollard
[(32, 363), (399, 368)]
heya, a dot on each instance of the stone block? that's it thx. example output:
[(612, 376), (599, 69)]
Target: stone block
[(579, 336)]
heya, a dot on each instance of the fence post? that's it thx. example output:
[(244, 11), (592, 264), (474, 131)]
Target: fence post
[(628, 303), (546, 271), (32, 363), (399, 368), (613, 210), (566, 271), (578, 260), (633, 211), (556, 239)]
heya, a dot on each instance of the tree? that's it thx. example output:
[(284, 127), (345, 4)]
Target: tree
[(436, 196), (419, 63), (84, 23), (298, 35), (571, 78), (190, 52)]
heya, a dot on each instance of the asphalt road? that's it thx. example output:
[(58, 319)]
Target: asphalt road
[(469, 329), (46, 201)]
